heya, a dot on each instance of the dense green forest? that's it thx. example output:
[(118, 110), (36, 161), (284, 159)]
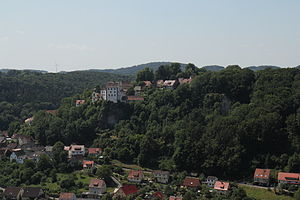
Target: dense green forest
[(224, 123), (22, 93)]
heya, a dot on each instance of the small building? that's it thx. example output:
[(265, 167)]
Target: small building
[(147, 83), (137, 90), (161, 176), (87, 164), (32, 193), (79, 102), (75, 150), (288, 178), (28, 120), (191, 182), (97, 187), (23, 139), (221, 187), (262, 176), (17, 155), (210, 181), (125, 191), (67, 196), (12, 193), (134, 98), (94, 151), (170, 84), (175, 198), (185, 80), (135, 176)]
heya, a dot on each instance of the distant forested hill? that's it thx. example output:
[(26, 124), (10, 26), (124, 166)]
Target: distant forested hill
[(134, 69), (23, 92)]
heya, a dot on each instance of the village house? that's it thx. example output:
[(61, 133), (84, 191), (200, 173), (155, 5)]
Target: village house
[(67, 196), (288, 178), (134, 98), (125, 191), (12, 193), (161, 176), (170, 84), (184, 80), (97, 187), (210, 181), (147, 83), (17, 155), (135, 176), (32, 193), (221, 187), (94, 151), (28, 120), (137, 90), (262, 176), (175, 198), (87, 164), (115, 91), (191, 182), (79, 102), (75, 151)]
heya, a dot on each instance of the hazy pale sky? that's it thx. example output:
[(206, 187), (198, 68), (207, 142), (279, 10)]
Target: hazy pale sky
[(82, 34)]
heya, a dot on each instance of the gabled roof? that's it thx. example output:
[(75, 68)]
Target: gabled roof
[(75, 147), (32, 192), (262, 173), (135, 174), (169, 82), (191, 182), (283, 176), (87, 163), (66, 196), (147, 83), (97, 183), (135, 98), (222, 186), (94, 150), (80, 101), (11, 191), (129, 189)]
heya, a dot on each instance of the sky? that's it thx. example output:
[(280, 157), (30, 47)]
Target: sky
[(98, 34)]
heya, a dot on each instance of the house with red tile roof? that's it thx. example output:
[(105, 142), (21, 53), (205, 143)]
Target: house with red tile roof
[(135, 176), (185, 80), (222, 187), (75, 150), (134, 98), (147, 83), (79, 102), (67, 196), (262, 176), (191, 182), (87, 164), (289, 178), (125, 191), (97, 187), (170, 84), (94, 151)]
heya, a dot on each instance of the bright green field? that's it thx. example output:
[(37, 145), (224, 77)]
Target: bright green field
[(263, 194)]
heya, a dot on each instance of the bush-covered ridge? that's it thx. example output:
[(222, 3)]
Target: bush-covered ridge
[(224, 123)]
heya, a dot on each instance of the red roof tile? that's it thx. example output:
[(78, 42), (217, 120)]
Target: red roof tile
[(87, 163), (135, 98), (94, 150), (129, 189), (223, 186), (191, 182), (97, 183), (134, 174), (292, 177), (262, 173), (65, 196)]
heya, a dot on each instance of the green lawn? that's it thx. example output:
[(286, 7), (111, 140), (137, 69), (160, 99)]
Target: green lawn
[(263, 194)]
